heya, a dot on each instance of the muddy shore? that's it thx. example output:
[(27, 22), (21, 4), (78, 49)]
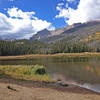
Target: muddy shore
[(36, 90)]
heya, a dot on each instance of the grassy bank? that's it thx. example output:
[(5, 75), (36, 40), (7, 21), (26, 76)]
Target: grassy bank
[(34, 72), (65, 55)]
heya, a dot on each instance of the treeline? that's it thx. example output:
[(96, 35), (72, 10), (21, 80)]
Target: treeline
[(22, 47)]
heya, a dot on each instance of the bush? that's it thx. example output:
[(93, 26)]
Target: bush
[(38, 70), (31, 72)]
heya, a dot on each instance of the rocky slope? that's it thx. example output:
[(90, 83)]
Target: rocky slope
[(74, 33)]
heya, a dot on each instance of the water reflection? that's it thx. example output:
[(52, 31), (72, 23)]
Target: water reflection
[(94, 87), (80, 70)]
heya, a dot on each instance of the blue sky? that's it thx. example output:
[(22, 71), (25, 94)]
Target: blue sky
[(23, 18), (44, 9)]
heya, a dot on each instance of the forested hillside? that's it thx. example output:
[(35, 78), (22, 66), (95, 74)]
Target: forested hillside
[(22, 47), (75, 38)]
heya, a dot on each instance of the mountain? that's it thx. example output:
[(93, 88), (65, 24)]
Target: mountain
[(72, 33), (41, 35), (0, 38), (76, 38), (8, 37), (61, 30)]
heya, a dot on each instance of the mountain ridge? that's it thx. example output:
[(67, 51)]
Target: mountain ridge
[(84, 29)]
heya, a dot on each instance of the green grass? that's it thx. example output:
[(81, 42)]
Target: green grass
[(31, 72)]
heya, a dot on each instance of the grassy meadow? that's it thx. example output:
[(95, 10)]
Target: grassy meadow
[(31, 72)]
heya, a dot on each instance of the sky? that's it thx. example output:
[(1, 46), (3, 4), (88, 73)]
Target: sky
[(23, 18)]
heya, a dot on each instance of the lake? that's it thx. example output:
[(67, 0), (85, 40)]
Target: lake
[(84, 72)]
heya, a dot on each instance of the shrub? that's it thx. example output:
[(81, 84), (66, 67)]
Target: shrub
[(30, 72), (38, 70)]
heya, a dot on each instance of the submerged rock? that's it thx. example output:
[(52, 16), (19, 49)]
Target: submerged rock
[(63, 84)]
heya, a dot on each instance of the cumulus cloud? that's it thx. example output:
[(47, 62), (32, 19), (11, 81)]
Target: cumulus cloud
[(71, 1), (15, 12), (86, 10), (21, 24), (60, 4)]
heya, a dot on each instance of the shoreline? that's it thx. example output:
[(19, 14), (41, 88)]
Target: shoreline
[(68, 55), (59, 86), (20, 89), (36, 90)]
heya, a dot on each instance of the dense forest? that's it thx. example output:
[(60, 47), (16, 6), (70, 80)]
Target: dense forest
[(22, 47)]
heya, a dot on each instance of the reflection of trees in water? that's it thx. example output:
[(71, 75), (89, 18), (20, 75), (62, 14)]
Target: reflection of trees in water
[(78, 70), (95, 69), (81, 72)]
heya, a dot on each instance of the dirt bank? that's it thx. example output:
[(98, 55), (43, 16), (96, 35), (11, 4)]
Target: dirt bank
[(32, 90), (31, 56)]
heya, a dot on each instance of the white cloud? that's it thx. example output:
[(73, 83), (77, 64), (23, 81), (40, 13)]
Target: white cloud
[(39, 25), (15, 12), (4, 24), (71, 1), (60, 4), (21, 24), (86, 10), (62, 12), (66, 5)]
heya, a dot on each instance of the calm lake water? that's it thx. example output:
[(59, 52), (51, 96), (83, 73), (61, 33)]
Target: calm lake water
[(84, 72)]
